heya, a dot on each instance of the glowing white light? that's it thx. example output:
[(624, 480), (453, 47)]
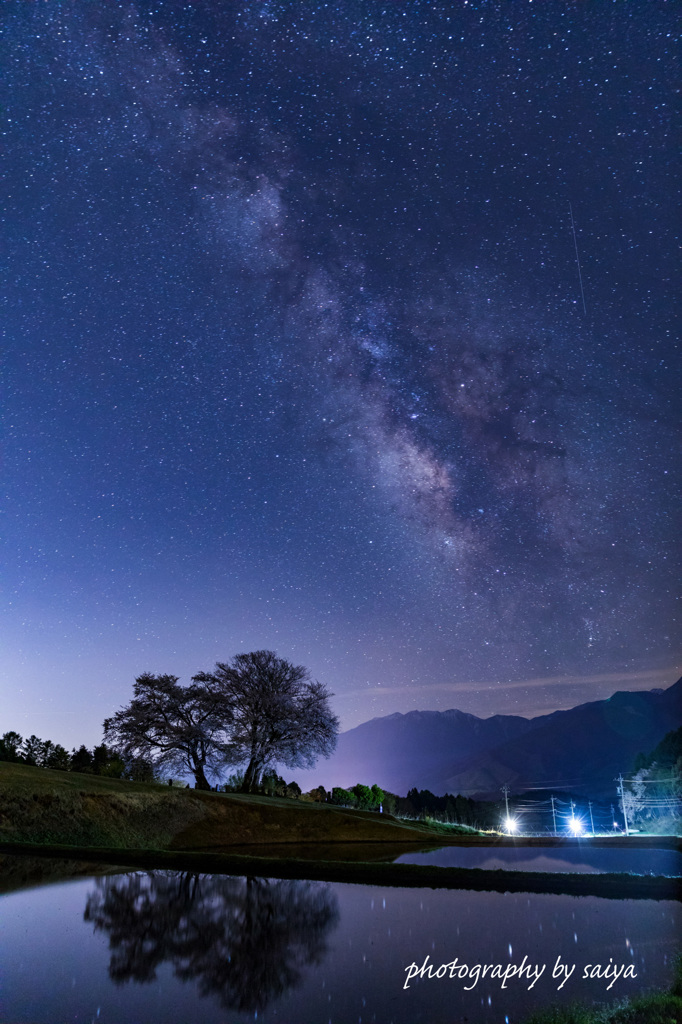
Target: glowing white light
[(576, 826), (511, 824)]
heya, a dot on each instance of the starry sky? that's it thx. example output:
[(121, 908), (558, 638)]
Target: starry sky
[(344, 330)]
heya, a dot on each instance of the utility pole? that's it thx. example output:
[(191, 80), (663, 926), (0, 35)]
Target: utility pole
[(553, 814), (589, 804), (622, 798), (505, 790), (573, 823)]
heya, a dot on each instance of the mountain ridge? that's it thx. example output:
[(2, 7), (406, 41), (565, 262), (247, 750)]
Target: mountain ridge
[(457, 752)]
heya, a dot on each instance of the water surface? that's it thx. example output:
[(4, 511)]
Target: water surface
[(167, 947), (583, 859)]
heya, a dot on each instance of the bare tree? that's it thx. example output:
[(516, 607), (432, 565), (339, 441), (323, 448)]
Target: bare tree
[(173, 726), (277, 713)]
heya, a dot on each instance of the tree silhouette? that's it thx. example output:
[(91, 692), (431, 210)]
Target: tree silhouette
[(179, 727), (276, 713), (244, 940)]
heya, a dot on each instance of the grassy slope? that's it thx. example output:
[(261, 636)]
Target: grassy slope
[(651, 1008), (38, 805)]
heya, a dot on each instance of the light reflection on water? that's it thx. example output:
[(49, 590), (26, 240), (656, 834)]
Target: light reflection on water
[(173, 947), (583, 859)]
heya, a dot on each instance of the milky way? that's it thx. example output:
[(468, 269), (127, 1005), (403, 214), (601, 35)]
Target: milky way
[(298, 356)]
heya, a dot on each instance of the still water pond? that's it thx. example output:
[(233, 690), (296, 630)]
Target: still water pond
[(582, 859), (168, 948)]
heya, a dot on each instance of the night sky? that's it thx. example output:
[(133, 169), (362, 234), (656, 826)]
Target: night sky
[(344, 330)]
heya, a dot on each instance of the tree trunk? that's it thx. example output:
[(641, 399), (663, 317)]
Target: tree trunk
[(201, 781), (250, 777)]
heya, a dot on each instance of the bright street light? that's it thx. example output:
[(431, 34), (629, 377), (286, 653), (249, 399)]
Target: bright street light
[(576, 826)]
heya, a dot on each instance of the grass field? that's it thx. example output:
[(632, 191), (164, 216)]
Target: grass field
[(38, 805)]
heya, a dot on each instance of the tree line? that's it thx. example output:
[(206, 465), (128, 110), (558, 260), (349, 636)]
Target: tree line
[(101, 760), (653, 797)]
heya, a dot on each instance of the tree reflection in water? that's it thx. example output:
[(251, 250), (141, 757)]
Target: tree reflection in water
[(245, 940)]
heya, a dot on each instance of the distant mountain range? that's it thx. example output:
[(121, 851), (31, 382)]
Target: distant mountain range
[(451, 751)]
